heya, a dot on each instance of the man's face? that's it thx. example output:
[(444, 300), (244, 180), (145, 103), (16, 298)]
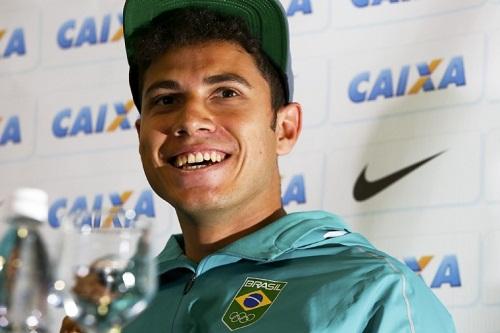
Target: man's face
[(205, 134)]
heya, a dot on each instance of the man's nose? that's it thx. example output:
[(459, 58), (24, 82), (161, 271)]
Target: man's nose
[(193, 119)]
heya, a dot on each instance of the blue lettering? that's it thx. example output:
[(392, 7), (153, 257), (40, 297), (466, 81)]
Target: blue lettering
[(383, 86), (54, 215), (96, 207), (80, 205), (83, 122), (424, 70), (295, 191), (88, 33), (101, 118), (303, 6), (454, 74), (366, 3), (145, 204), (413, 264), (56, 211), (63, 40), (448, 273), (58, 129), (116, 216), (355, 94), (105, 29), (16, 44), (116, 199), (403, 81), (378, 2), (97, 202), (12, 132), (121, 111), (143, 207), (361, 3)]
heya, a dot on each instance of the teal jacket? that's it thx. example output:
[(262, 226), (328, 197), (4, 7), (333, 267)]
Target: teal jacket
[(305, 272)]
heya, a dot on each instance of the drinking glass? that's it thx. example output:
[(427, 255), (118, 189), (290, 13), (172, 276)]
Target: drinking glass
[(106, 275)]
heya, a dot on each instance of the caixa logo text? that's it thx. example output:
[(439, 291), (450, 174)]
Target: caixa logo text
[(10, 130), (447, 272), (410, 80), (368, 3), (298, 6), (295, 191), (91, 31), (12, 43), (143, 205), (107, 117)]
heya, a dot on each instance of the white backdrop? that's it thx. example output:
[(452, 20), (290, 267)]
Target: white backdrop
[(385, 84)]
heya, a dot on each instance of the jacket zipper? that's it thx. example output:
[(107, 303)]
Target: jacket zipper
[(199, 270), (187, 287), (189, 284)]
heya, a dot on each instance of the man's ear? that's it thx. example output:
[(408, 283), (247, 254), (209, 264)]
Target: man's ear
[(288, 127), (138, 129), (138, 126)]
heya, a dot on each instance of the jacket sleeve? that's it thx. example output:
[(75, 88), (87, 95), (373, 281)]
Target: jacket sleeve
[(406, 304)]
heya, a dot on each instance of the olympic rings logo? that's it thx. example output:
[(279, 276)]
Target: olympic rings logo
[(241, 317)]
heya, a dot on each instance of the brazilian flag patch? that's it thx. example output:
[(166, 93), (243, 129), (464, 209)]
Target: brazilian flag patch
[(251, 302)]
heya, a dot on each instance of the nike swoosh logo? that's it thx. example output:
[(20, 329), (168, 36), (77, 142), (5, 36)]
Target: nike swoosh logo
[(365, 189)]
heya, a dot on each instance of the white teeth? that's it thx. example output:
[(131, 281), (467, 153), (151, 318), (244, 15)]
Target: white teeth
[(183, 161)]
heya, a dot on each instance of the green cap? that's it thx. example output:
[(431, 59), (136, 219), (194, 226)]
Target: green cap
[(266, 20)]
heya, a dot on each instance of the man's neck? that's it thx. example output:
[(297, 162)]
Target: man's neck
[(201, 238)]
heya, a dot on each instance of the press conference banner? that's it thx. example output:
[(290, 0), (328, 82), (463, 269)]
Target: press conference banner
[(401, 130)]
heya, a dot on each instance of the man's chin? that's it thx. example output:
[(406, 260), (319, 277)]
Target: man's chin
[(198, 203)]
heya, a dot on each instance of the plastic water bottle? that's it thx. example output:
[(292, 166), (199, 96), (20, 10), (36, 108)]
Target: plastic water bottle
[(25, 275)]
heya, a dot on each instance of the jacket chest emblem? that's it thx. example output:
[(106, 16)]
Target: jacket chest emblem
[(251, 302)]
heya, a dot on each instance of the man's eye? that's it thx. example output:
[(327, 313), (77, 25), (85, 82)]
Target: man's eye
[(165, 100), (228, 93)]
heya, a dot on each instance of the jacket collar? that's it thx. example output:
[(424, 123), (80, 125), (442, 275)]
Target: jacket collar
[(293, 231)]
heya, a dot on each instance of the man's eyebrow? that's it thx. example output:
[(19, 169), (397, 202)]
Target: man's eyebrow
[(165, 84), (226, 77)]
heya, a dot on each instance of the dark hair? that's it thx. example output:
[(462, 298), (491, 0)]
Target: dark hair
[(189, 26)]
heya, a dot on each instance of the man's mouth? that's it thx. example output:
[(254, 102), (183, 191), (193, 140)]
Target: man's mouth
[(197, 160)]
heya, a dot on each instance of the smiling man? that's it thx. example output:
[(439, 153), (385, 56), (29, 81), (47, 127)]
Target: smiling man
[(209, 138), (212, 81)]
